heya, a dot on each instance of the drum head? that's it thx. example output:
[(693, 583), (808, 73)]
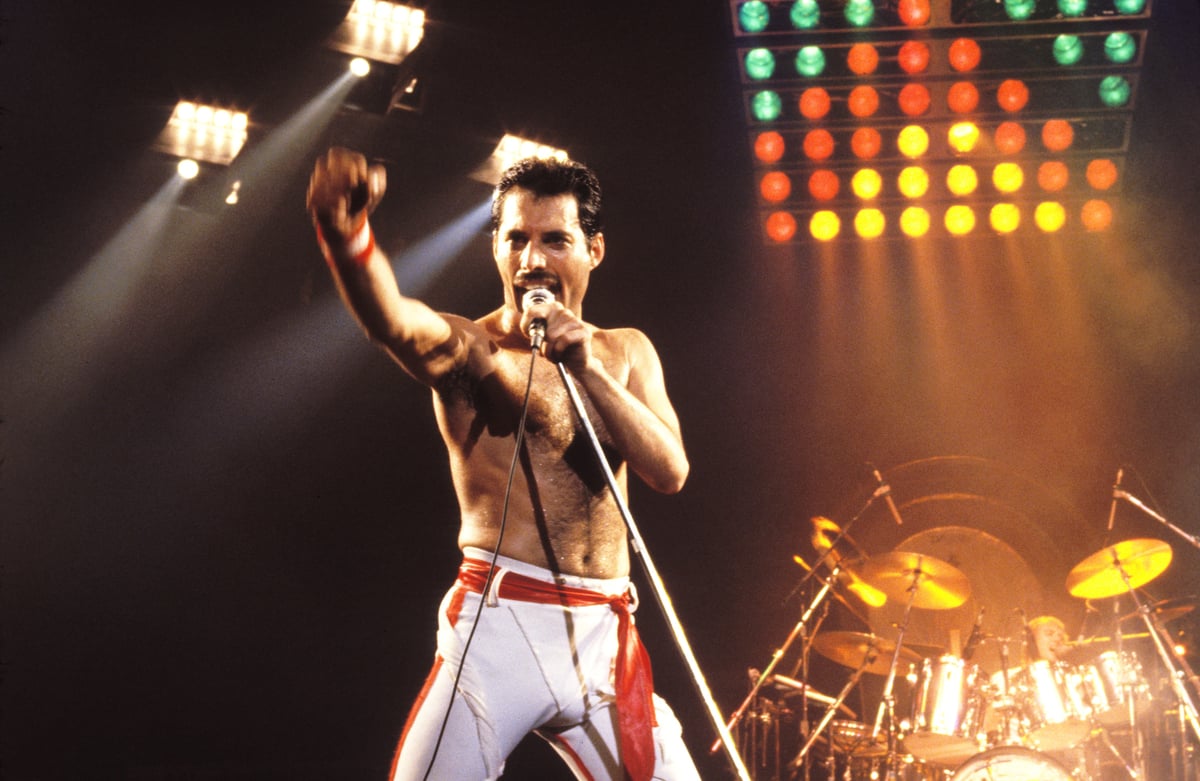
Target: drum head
[(1011, 763)]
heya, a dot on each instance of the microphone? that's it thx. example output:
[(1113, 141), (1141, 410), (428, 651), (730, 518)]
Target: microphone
[(973, 639), (885, 491), (1112, 510), (537, 329)]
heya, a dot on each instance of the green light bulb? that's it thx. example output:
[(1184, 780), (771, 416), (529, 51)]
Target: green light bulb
[(1072, 8), (1120, 48), (760, 63), (806, 14), (766, 106), (1068, 49), (753, 16), (1129, 6), (1115, 91), (1019, 10), (810, 61), (860, 13)]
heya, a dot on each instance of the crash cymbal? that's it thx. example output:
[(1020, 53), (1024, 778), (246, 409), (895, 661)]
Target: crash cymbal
[(1167, 609), (858, 649), (1100, 575), (932, 583)]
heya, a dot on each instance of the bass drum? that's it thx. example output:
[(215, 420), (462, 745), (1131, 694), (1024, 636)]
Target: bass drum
[(1011, 763)]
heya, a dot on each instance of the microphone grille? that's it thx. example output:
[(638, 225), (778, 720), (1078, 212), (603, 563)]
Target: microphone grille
[(538, 295)]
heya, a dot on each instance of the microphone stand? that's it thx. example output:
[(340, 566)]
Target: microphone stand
[(1121, 494), (656, 584)]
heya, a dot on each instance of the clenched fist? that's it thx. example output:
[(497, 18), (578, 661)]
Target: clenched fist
[(343, 189)]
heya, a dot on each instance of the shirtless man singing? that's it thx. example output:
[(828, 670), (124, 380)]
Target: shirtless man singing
[(550, 647)]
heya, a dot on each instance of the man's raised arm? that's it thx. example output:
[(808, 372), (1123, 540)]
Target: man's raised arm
[(342, 192)]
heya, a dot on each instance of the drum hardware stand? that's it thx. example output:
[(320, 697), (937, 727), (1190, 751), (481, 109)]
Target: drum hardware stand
[(1129, 689), (1010, 720), (655, 581), (1135, 771), (800, 628), (887, 703), (759, 733), (797, 631), (1177, 667), (831, 711)]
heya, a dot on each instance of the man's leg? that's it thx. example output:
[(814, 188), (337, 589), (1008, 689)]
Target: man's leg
[(591, 748)]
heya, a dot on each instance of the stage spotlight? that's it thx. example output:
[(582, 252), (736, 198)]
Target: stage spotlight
[(204, 133), (360, 66), (187, 168), (379, 31), (509, 150)]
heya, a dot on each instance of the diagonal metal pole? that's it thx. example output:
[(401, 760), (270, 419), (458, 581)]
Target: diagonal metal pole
[(656, 584)]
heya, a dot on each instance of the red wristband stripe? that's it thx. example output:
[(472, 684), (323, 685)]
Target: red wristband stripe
[(358, 249)]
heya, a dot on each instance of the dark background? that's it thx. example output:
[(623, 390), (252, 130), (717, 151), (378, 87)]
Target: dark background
[(227, 519)]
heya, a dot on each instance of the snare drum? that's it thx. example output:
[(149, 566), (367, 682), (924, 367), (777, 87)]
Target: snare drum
[(1114, 682), (1011, 763), (947, 711), (1053, 701)]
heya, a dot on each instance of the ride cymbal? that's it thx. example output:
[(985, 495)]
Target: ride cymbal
[(1104, 573)]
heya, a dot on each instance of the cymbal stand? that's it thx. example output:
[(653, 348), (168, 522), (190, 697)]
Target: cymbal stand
[(1137, 745), (1176, 667), (797, 631), (887, 703), (1187, 708), (831, 711)]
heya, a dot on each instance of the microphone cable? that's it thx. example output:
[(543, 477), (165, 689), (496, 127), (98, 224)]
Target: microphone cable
[(487, 584)]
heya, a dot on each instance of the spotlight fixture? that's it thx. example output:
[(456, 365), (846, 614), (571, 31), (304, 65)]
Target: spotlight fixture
[(204, 133), (187, 168), (379, 31), (509, 150)]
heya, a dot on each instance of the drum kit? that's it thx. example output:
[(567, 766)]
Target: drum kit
[(1056, 713)]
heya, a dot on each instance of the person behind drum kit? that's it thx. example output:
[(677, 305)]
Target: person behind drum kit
[(1049, 636), (1016, 690)]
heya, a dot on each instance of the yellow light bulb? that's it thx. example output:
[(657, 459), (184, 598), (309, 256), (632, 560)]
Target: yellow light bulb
[(869, 223), (1005, 217), (914, 221), (1050, 216), (960, 220), (866, 183), (913, 181), (963, 136), (912, 141), (961, 179), (824, 225), (1008, 177)]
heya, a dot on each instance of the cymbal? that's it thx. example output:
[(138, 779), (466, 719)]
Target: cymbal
[(858, 649), (933, 583), (1100, 575), (1167, 609)]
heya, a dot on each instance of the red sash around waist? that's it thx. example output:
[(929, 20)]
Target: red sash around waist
[(634, 683)]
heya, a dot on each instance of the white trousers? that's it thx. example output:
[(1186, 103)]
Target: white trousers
[(530, 667)]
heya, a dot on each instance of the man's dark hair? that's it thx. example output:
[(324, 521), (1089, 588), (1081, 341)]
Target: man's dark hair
[(544, 177)]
